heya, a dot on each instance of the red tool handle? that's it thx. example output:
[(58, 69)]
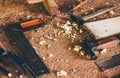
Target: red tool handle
[(108, 43), (31, 23)]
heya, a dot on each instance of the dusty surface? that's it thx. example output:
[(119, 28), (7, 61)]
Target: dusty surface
[(51, 42)]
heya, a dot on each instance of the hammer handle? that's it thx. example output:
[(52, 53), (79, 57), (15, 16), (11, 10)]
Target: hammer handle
[(108, 43)]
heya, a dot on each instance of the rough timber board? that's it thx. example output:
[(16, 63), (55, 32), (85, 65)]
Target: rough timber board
[(104, 28), (109, 63)]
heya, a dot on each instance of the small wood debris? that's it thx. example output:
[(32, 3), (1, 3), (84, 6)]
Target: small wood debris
[(67, 29), (43, 58), (92, 8), (28, 17), (68, 23), (75, 25), (107, 3), (72, 37), (61, 60), (103, 51), (77, 48), (81, 31), (34, 47), (74, 70), (32, 38), (66, 26), (42, 42), (82, 52), (69, 48), (62, 73), (21, 76), (112, 12), (50, 55), (49, 45), (51, 38)]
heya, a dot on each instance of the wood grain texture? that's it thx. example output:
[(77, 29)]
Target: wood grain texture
[(109, 63), (51, 6), (104, 28)]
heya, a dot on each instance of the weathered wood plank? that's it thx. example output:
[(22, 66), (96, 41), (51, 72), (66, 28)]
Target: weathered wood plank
[(104, 28), (109, 63), (51, 6)]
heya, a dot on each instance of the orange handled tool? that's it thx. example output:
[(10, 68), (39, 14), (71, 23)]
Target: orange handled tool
[(32, 24), (78, 6)]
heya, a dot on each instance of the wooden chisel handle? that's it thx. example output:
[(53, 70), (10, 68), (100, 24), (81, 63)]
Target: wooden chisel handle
[(108, 43)]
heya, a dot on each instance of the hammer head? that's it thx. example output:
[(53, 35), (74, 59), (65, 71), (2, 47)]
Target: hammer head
[(89, 49)]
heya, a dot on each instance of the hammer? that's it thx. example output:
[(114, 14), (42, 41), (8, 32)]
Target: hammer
[(90, 47), (50, 5)]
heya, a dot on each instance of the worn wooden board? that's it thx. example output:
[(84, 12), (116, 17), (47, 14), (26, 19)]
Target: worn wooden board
[(51, 6), (109, 63), (104, 28)]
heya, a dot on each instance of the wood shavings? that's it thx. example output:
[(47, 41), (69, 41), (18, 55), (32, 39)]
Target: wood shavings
[(43, 58), (34, 47), (67, 29), (80, 31), (73, 70), (77, 48), (50, 55), (28, 17), (112, 12), (68, 23), (103, 51), (32, 38), (107, 3), (62, 73), (21, 76), (69, 48), (82, 52), (49, 45), (92, 8), (42, 42), (51, 38), (61, 59), (72, 37), (75, 25), (55, 39)]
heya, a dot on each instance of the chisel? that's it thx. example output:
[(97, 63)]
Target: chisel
[(81, 21)]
